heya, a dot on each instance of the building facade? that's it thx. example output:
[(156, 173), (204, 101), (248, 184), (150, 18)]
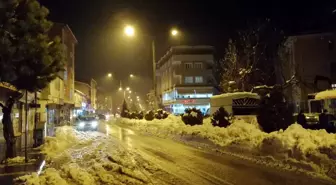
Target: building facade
[(58, 97), (185, 78), (312, 58), (89, 89), (81, 103)]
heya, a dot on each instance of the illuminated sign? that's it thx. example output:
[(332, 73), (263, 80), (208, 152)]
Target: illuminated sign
[(188, 101)]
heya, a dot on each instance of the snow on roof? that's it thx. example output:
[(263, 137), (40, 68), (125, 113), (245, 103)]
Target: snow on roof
[(328, 94), (236, 95)]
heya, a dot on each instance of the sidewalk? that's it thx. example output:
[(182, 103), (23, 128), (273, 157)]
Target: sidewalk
[(11, 171)]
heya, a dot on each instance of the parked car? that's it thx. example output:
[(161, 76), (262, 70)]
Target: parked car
[(314, 123), (101, 116), (87, 123)]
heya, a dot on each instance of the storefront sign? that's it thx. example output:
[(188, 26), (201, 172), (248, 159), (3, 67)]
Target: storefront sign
[(189, 101)]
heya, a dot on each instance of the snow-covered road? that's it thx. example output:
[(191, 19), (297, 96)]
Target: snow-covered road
[(117, 155), (182, 164)]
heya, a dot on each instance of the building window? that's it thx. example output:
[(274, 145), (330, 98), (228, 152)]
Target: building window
[(198, 65), (188, 80), (333, 86), (198, 79), (65, 75), (188, 65)]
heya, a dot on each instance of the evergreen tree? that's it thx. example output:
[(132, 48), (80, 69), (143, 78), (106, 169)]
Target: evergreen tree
[(274, 112), (29, 59), (124, 111)]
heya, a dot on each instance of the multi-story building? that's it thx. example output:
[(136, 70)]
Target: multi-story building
[(58, 96), (312, 57), (93, 94), (185, 78), (88, 87), (81, 103)]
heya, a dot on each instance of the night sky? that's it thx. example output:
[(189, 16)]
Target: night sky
[(102, 48)]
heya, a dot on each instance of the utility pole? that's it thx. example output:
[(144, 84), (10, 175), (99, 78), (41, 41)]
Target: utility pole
[(26, 126), (154, 74)]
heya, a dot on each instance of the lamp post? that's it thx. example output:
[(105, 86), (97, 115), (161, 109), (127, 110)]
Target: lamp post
[(130, 32)]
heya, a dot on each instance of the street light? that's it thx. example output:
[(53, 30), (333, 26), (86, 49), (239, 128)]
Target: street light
[(128, 89), (131, 75), (174, 32), (109, 75), (129, 31), (120, 89)]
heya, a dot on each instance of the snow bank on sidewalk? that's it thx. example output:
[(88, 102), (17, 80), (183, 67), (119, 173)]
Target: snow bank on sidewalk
[(65, 138), (91, 159), (295, 143)]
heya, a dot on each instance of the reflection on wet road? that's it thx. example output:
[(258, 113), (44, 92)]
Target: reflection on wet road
[(194, 166)]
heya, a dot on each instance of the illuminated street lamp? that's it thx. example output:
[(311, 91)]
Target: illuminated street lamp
[(109, 75), (174, 32), (120, 89), (129, 31), (131, 75), (128, 89)]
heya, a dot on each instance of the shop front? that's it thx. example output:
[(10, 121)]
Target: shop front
[(178, 106)]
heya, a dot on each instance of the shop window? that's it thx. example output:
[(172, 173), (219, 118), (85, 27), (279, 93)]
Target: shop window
[(333, 86)]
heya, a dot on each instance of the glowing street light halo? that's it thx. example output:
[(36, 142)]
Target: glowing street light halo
[(129, 30), (174, 32)]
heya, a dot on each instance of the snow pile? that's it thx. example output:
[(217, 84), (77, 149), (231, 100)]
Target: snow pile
[(316, 147), (65, 138), (50, 176), (102, 161), (328, 94), (18, 160)]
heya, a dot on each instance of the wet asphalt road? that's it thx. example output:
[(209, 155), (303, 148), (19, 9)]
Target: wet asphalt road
[(184, 164)]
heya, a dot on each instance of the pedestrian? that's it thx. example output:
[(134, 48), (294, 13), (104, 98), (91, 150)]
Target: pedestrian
[(323, 119), (301, 119)]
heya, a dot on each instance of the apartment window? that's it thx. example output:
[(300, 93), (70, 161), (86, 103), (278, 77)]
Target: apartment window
[(188, 65), (198, 79), (198, 65), (188, 80)]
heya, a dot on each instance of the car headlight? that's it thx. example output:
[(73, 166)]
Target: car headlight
[(94, 124), (81, 124)]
